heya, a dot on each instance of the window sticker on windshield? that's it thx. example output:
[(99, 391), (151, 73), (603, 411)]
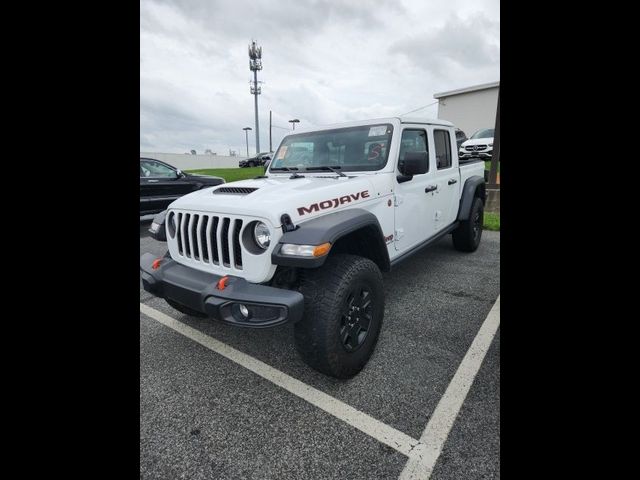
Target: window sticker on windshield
[(378, 130), (281, 153)]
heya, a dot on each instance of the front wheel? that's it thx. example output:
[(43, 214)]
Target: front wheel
[(344, 308), (466, 237)]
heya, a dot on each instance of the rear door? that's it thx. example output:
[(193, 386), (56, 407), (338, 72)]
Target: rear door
[(446, 177)]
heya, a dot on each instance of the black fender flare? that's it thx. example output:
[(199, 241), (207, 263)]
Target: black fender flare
[(473, 187), (159, 233), (331, 228)]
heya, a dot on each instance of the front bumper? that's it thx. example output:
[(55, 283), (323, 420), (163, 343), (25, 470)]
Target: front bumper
[(483, 155), (197, 290)]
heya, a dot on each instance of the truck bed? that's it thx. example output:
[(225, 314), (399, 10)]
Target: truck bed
[(470, 168)]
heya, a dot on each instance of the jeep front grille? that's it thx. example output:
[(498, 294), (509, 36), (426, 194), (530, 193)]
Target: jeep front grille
[(208, 239)]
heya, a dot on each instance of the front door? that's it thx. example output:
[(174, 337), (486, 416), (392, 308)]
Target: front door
[(413, 198)]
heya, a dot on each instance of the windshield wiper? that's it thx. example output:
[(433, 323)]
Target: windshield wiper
[(325, 167), (283, 169)]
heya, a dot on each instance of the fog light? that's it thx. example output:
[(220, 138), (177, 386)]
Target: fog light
[(240, 312)]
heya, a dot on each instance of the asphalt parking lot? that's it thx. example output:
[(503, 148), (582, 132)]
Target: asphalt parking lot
[(203, 415)]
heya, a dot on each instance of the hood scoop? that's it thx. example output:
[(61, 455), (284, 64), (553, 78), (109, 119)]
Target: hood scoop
[(235, 190)]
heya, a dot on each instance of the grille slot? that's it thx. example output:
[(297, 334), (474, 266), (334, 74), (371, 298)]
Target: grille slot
[(225, 243), (237, 250), (234, 190)]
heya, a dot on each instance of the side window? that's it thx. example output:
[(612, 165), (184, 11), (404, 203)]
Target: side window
[(443, 148), (413, 141), (151, 168)]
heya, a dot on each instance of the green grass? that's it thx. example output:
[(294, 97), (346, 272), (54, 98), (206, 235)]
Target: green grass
[(487, 166), (491, 221), (230, 174)]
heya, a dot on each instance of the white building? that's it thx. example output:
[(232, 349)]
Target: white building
[(470, 108)]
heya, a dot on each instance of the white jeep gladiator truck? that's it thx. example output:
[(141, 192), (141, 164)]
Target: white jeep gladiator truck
[(306, 242)]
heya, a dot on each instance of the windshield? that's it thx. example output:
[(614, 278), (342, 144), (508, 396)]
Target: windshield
[(363, 148), (484, 133)]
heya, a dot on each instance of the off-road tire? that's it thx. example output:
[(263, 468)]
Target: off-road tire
[(466, 237), (319, 336), (186, 310)]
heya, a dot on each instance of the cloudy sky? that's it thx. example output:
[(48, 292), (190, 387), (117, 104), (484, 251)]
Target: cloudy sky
[(324, 61)]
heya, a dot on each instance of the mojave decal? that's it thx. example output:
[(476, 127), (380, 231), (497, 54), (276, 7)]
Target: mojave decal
[(333, 203)]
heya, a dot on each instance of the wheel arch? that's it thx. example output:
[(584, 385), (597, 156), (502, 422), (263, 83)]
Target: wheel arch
[(474, 187), (355, 231)]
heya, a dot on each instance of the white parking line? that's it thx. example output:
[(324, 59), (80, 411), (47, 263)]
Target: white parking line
[(419, 467), (422, 453), (397, 440)]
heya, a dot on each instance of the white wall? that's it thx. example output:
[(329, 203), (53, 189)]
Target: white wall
[(470, 111), (193, 162)]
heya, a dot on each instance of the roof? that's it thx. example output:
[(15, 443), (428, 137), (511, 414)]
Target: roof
[(429, 121), (377, 121), (474, 88)]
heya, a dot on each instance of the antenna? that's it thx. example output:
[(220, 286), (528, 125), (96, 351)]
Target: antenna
[(255, 64)]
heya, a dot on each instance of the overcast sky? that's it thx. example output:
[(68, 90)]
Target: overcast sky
[(324, 61)]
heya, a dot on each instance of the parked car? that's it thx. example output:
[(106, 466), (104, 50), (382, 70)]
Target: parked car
[(161, 184), (479, 145), (256, 161), (307, 243), (461, 137)]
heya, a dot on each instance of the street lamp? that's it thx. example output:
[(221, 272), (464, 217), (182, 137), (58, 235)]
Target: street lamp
[(293, 122), (246, 135)]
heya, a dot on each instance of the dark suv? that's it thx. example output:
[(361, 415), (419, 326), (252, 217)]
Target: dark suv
[(256, 161), (161, 184)]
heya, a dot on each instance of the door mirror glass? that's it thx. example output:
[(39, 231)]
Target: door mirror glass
[(414, 163)]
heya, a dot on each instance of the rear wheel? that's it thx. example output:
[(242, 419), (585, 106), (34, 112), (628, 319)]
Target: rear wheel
[(466, 237), (344, 308)]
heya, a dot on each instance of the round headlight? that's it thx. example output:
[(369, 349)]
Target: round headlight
[(262, 235)]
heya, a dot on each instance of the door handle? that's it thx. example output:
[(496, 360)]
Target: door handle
[(430, 188), (452, 181), (154, 181)]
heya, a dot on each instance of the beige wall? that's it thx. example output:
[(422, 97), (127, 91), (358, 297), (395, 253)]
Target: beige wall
[(470, 111)]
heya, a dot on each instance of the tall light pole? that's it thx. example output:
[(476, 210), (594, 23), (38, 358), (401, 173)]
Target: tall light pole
[(246, 135), (293, 122), (270, 146), (255, 64)]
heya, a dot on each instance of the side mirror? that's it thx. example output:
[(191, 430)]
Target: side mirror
[(157, 229), (179, 173), (415, 163)]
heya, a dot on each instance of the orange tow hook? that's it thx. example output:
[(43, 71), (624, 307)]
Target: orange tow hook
[(222, 283)]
